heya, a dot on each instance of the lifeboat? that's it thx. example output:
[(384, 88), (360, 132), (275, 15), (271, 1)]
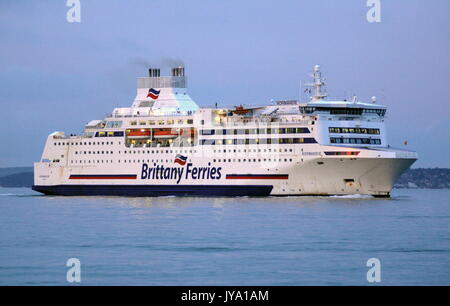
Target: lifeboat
[(139, 134), (240, 110), (168, 134)]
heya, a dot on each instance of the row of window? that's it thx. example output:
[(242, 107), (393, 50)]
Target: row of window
[(184, 151), (137, 152), (256, 141), (354, 130), (299, 130), (343, 111), (93, 152), (356, 140), (254, 150), (84, 143), (109, 134), (98, 161), (204, 142), (89, 161), (253, 160), (158, 151), (332, 111), (163, 122), (379, 112)]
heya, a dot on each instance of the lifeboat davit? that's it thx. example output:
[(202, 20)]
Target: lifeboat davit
[(142, 134), (166, 134)]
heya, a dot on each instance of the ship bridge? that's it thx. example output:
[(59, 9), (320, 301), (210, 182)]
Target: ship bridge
[(318, 104), (342, 108)]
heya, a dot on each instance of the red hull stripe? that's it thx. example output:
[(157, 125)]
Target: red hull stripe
[(103, 177), (257, 176)]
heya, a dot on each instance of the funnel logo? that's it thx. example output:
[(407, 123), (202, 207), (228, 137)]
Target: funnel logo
[(180, 159), (153, 93)]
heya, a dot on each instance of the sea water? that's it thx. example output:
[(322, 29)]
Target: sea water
[(225, 241)]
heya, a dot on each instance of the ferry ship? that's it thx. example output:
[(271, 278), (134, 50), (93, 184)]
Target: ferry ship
[(165, 144)]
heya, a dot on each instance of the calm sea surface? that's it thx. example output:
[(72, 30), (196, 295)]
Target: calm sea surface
[(221, 241)]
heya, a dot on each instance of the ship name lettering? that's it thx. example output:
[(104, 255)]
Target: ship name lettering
[(159, 172)]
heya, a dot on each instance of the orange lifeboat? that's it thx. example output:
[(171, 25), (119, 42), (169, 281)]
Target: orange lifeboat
[(139, 134), (240, 110), (167, 134)]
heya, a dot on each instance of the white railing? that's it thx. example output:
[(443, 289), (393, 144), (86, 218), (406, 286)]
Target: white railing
[(162, 82)]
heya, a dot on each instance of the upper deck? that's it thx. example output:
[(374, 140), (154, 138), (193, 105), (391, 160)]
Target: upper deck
[(163, 114)]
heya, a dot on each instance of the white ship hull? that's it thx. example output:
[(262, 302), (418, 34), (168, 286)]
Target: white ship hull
[(319, 175)]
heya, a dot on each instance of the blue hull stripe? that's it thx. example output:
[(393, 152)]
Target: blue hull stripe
[(155, 190)]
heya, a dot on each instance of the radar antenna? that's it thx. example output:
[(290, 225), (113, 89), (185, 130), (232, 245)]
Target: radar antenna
[(319, 82)]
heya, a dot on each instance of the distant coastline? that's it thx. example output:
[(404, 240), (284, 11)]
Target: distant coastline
[(16, 177), (430, 178)]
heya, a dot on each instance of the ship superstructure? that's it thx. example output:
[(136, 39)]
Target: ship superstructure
[(165, 144)]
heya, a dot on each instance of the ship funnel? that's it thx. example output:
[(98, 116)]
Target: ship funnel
[(178, 71), (154, 73), (155, 80)]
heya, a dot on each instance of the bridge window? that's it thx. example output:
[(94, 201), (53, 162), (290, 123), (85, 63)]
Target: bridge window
[(342, 110), (347, 130)]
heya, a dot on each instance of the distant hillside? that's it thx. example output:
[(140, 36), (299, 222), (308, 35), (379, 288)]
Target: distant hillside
[(22, 179), (14, 170), (436, 178)]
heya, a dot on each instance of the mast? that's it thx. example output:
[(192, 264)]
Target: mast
[(319, 82)]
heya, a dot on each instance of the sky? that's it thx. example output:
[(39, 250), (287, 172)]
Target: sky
[(57, 76)]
